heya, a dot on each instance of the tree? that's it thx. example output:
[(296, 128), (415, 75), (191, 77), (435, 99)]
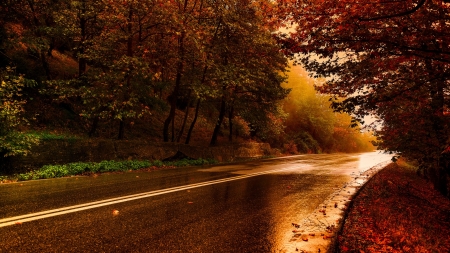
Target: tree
[(375, 52), (118, 82), (190, 33), (312, 125), (13, 142), (222, 52), (249, 67), (34, 28)]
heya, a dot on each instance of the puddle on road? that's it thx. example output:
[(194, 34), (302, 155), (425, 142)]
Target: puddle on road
[(335, 163), (368, 160)]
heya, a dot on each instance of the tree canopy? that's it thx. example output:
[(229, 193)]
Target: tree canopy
[(388, 59), (312, 125), (163, 65), (136, 58)]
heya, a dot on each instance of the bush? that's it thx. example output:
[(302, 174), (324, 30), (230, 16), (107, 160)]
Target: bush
[(45, 135), (306, 143), (80, 168), (13, 142), (290, 148)]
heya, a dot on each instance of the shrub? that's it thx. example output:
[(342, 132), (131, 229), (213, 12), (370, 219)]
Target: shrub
[(45, 135), (290, 148), (13, 142), (79, 168)]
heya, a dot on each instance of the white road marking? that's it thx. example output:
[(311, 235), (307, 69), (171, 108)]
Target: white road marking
[(76, 208)]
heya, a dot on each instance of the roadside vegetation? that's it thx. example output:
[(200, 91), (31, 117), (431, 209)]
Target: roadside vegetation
[(197, 72), (201, 73), (90, 168), (397, 211), (46, 135)]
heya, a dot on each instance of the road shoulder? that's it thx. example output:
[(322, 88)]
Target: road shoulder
[(318, 232)]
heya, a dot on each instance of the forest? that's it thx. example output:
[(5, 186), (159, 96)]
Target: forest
[(293, 73), (386, 59), (305, 76), (159, 70)]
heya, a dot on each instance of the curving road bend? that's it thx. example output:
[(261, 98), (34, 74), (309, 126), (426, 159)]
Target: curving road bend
[(246, 207)]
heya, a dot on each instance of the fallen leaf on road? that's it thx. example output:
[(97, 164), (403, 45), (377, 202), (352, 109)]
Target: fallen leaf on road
[(115, 212)]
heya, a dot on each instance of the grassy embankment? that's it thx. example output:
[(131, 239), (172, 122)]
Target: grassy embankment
[(89, 168)]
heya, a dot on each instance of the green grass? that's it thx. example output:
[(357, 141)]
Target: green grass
[(45, 135), (80, 168)]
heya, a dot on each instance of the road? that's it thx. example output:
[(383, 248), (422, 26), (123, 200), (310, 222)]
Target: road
[(247, 207)]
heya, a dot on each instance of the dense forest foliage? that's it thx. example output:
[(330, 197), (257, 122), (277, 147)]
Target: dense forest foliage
[(159, 70), (387, 59), (312, 125)]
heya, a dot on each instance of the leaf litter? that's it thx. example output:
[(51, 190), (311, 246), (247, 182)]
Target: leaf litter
[(405, 216)]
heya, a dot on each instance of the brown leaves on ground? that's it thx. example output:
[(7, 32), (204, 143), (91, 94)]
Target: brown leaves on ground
[(397, 212)]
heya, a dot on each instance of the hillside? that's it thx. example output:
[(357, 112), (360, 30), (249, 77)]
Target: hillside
[(165, 76), (307, 117)]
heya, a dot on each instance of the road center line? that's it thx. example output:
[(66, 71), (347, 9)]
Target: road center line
[(76, 208)]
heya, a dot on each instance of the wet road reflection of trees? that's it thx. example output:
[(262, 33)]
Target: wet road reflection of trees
[(246, 215)]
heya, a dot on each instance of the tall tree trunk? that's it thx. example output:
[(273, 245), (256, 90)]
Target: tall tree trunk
[(121, 130), (186, 114), (173, 104), (94, 126), (83, 23), (444, 166), (230, 123), (173, 129), (438, 173), (81, 65), (45, 65), (219, 123), (197, 107), (253, 131), (188, 137), (174, 96)]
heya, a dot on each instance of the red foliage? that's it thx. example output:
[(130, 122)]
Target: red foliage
[(390, 59), (397, 211)]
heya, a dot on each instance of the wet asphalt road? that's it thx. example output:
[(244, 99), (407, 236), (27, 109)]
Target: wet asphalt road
[(251, 214)]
